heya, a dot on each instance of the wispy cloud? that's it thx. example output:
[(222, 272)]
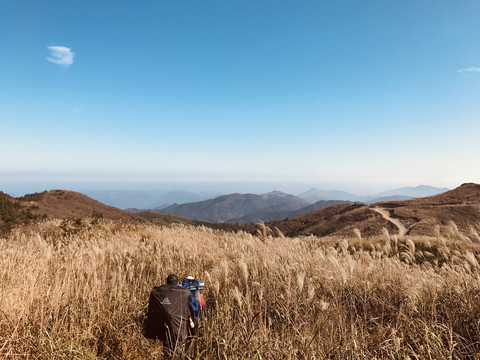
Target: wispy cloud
[(78, 109), (473, 69), (61, 55)]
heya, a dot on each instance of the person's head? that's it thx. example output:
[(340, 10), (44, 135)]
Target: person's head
[(172, 279)]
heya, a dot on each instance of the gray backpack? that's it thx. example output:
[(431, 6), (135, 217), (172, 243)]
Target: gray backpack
[(168, 315)]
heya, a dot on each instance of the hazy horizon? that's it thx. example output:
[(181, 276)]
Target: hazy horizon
[(20, 188)]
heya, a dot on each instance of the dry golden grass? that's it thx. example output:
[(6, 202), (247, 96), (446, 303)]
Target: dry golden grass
[(80, 290)]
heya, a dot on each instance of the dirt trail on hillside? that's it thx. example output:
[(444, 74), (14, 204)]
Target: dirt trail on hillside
[(402, 230)]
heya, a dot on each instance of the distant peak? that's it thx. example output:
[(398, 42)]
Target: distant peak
[(469, 184), (274, 193)]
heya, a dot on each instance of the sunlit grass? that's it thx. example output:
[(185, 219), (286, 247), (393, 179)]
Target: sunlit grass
[(80, 290)]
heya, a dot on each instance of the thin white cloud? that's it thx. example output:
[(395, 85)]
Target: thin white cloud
[(78, 109), (474, 69), (61, 55)]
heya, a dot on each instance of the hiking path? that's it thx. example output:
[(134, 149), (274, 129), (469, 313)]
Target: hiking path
[(402, 230)]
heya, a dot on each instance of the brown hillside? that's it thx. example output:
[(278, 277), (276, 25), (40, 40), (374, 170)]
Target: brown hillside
[(12, 213), (70, 204), (458, 209), (339, 219), (420, 216)]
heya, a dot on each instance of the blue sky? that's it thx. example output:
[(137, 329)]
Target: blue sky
[(337, 92)]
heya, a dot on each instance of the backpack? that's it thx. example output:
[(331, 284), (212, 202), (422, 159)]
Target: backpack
[(193, 285), (168, 314)]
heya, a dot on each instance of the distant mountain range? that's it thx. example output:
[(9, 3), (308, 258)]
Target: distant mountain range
[(136, 201), (451, 211), (276, 205), (239, 207), (404, 193)]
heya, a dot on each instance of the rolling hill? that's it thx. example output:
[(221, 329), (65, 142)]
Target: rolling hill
[(61, 204), (237, 207), (265, 216), (66, 204), (446, 212), (13, 212), (420, 216), (71, 204)]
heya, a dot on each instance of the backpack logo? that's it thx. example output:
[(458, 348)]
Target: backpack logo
[(166, 301)]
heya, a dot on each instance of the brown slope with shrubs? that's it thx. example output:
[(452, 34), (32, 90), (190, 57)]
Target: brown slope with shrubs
[(457, 209), (446, 213), (71, 204), (13, 213), (339, 220)]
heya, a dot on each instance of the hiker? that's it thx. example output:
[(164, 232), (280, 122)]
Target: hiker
[(170, 316), (196, 299)]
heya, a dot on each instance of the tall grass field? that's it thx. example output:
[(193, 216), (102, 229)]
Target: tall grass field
[(79, 290)]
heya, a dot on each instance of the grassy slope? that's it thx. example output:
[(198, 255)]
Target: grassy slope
[(71, 204), (79, 289), (339, 219), (13, 212), (458, 208)]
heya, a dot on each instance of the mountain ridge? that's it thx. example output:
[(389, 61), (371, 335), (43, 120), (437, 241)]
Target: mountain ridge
[(235, 207), (315, 194), (457, 209), (454, 210), (72, 204), (159, 199)]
